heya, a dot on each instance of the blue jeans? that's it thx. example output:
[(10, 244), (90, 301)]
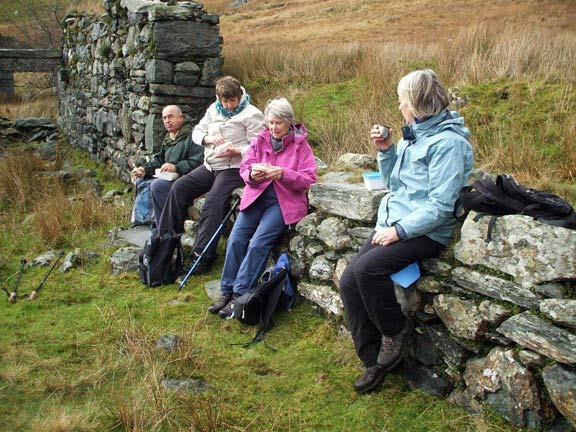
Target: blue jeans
[(254, 234)]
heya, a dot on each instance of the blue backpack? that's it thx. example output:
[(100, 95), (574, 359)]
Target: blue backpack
[(142, 213), (273, 292)]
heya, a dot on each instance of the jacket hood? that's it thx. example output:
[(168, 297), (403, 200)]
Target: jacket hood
[(445, 121), (297, 134), (300, 132)]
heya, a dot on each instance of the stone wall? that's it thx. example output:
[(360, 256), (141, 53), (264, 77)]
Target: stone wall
[(121, 69), (495, 321), (6, 83)]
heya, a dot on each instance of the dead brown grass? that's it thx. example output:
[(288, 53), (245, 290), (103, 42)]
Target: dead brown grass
[(152, 407), (34, 96), (337, 23), (477, 55), (18, 185), (66, 419)]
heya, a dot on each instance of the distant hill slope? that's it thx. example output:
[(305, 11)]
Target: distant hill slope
[(340, 22)]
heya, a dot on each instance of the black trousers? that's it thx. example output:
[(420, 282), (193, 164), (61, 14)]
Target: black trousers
[(219, 185), (368, 292)]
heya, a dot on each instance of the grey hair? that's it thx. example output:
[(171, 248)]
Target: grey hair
[(279, 108), (423, 92)]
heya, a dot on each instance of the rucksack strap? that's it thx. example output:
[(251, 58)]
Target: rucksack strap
[(467, 200), (267, 311)]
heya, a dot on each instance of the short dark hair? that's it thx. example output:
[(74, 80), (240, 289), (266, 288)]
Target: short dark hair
[(228, 87)]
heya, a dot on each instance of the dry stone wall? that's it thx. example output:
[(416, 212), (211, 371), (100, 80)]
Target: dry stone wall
[(122, 68), (496, 321)]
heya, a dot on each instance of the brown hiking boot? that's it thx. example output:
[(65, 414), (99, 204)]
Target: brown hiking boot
[(370, 380), (214, 308), (393, 347)]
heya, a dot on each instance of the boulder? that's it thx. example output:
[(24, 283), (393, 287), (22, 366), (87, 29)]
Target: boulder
[(530, 251), (334, 233), (354, 161), (495, 287), (536, 334), (125, 260), (508, 387), (561, 311), (560, 383), (460, 316), (183, 41), (324, 296), (336, 199)]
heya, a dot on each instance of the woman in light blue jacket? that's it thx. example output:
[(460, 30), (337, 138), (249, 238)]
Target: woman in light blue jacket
[(424, 172)]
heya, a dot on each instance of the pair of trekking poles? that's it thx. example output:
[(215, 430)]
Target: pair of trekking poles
[(207, 247), (13, 296)]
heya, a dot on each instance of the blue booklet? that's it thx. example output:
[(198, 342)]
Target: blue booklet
[(407, 276)]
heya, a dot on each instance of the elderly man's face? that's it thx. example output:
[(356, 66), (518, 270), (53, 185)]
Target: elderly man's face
[(173, 121)]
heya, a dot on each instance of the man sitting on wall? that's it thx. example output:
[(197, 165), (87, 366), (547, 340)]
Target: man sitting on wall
[(178, 156)]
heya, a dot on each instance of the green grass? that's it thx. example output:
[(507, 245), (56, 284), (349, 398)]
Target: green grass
[(82, 357), (67, 351), (524, 127), (327, 104)]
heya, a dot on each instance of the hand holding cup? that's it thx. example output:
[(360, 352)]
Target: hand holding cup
[(381, 136)]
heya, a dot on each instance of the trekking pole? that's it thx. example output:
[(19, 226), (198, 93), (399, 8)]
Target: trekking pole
[(183, 282), (34, 293), (14, 293)]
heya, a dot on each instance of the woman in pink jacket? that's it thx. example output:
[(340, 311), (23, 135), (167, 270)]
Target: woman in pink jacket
[(278, 169)]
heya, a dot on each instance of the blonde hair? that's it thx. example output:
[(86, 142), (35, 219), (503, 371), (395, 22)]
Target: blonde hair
[(423, 93)]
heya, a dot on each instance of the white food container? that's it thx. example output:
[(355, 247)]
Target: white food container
[(373, 181)]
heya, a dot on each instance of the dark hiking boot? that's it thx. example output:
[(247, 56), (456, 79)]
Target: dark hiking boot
[(370, 380), (204, 265), (393, 347), (214, 308), (227, 312)]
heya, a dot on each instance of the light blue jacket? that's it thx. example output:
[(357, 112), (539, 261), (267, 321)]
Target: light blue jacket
[(424, 177)]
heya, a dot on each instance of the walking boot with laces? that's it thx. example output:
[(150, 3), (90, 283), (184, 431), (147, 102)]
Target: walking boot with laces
[(393, 347), (227, 312), (215, 307), (370, 380)]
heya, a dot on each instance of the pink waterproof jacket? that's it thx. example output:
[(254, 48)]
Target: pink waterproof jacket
[(299, 172)]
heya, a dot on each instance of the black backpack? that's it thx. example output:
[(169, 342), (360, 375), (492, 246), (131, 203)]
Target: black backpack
[(160, 262), (506, 196), (274, 291)]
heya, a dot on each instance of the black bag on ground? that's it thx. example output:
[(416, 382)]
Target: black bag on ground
[(274, 291), (160, 262), (250, 308), (506, 196)]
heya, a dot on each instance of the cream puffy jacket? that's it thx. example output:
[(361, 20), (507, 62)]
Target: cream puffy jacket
[(238, 129)]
